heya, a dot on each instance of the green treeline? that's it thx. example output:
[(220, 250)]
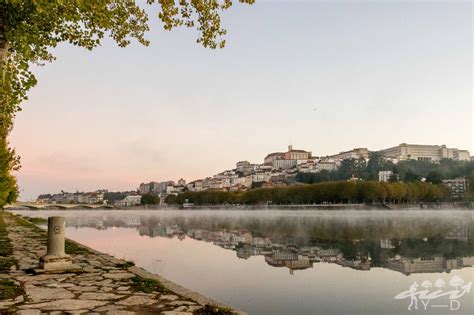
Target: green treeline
[(327, 192), (149, 199)]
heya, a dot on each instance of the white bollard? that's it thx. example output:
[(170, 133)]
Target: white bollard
[(56, 238), (56, 259)]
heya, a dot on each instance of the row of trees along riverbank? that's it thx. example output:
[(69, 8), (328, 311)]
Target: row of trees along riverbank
[(333, 192)]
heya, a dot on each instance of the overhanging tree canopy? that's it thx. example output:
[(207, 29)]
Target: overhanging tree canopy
[(30, 28)]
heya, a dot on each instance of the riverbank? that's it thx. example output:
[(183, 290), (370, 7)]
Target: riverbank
[(327, 206), (106, 285), (341, 206)]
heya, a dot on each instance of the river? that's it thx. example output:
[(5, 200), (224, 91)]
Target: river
[(296, 262)]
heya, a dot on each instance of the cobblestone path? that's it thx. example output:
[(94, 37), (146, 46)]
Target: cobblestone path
[(107, 285)]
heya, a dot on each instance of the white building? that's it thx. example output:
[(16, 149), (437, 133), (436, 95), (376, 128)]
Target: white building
[(216, 184), (261, 177), (242, 165), (174, 190), (274, 156), (68, 197), (162, 186), (461, 155), (283, 164), (458, 186), (356, 154), (128, 201), (466, 261), (206, 183), (229, 181), (422, 265), (432, 153), (307, 166), (198, 185), (327, 165), (84, 199), (307, 161), (284, 255), (264, 168), (384, 176), (245, 181), (144, 189), (261, 242)]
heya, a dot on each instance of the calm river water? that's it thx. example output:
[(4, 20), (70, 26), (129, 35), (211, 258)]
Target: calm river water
[(297, 262)]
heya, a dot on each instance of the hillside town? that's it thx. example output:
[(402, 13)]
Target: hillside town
[(278, 169)]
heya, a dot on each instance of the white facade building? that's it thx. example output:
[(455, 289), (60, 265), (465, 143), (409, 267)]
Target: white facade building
[(327, 165), (242, 165), (283, 164), (462, 155), (384, 176), (174, 190), (144, 189), (245, 181), (432, 153), (198, 185), (458, 186), (261, 177), (356, 154), (128, 201)]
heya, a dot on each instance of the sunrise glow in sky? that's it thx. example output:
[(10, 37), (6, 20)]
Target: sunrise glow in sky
[(379, 73)]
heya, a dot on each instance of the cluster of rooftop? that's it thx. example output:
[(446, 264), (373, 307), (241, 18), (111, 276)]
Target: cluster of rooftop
[(95, 197), (278, 169)]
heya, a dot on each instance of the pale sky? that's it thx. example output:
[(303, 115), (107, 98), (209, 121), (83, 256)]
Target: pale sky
[(379, 73)]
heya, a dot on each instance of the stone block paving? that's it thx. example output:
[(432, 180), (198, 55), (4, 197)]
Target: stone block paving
[(103, 288)]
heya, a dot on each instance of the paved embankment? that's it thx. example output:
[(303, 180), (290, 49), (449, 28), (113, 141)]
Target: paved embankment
[(107, 285)]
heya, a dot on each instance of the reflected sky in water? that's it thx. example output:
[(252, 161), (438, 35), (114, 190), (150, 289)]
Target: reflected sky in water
[(294, 262)]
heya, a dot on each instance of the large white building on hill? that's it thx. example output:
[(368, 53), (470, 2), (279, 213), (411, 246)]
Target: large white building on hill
[(420, 152), (356, 154)]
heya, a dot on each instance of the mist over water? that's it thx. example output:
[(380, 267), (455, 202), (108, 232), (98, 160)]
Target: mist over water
[(289, 262)]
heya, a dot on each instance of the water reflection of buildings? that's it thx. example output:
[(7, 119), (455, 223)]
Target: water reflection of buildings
[(160, 229), (401, 255), (428, 265), (290, 259), (459, 233), (103, 222), (277, 252)]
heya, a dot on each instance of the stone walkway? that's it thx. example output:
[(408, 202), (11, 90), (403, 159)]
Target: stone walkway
[(106, 286)]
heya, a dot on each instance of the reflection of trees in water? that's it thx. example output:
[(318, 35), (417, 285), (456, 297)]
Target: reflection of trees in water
[(434, 246), (355, 237), (325, 228)]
